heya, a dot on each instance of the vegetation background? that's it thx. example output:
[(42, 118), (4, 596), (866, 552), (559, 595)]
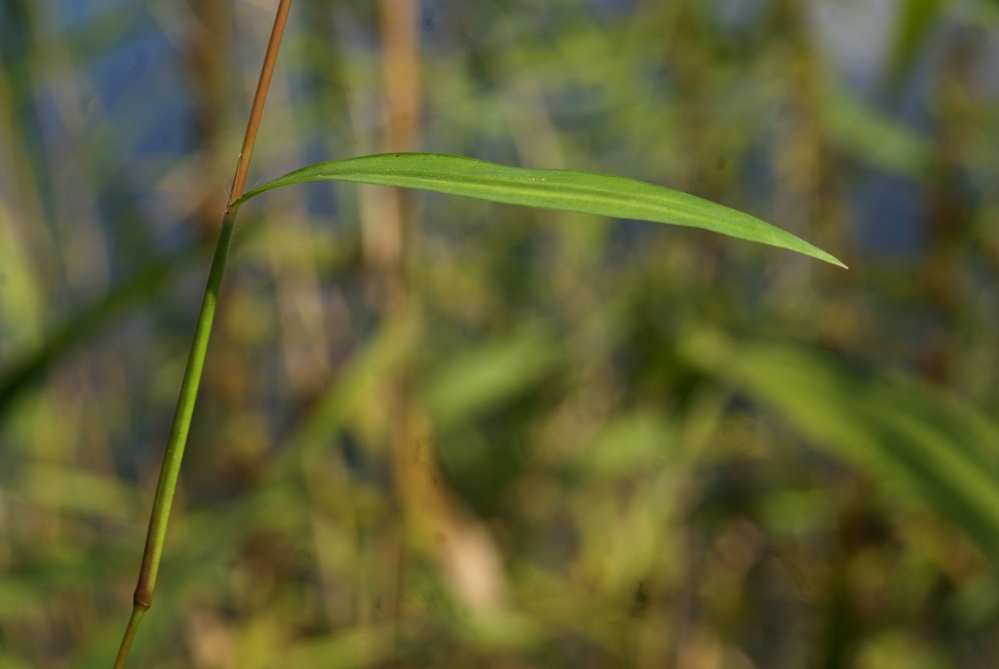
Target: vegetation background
[(633, 445)]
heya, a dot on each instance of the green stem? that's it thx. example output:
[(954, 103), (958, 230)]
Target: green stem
[(196, 360), (178, 439), (126, 643)]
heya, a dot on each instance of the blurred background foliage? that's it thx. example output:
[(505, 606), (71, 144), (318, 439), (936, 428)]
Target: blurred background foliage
[(630, 445)]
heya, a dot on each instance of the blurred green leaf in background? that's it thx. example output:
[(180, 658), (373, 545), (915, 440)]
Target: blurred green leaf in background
[(660, 448)]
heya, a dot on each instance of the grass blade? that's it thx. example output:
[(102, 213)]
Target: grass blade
[(567, 190), (901, 432)]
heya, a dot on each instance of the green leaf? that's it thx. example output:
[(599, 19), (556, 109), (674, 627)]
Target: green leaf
[(881, 142), (481, 378), (917, 19), (600, 194), (913, 437)]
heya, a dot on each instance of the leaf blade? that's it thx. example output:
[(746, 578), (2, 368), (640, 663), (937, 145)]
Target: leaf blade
[(907, 435), (567, 190)]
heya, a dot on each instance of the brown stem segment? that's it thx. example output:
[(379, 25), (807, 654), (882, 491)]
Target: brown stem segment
[(257, 110), (400, 38)]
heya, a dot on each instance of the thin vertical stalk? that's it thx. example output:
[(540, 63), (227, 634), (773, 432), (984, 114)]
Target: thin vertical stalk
[(389, 236), (434, 522), (207, 73), (257, 110), (170, 470)]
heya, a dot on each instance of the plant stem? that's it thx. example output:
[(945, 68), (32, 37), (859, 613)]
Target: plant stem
[(170, 470), (400, 43), (257, 110)]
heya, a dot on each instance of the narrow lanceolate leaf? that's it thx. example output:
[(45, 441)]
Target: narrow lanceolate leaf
[(600, 194)]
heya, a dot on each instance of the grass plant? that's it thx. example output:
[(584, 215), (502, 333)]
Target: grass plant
[(435, 431), (581, 192)]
